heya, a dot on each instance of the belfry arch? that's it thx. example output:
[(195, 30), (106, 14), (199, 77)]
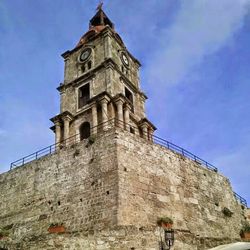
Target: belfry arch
[(84, 130)]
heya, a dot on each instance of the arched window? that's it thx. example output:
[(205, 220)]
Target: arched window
[(85, 131)]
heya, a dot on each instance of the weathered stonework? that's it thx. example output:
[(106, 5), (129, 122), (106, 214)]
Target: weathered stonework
[(247, 214), (109, 194), (107, 190), (108, 77)]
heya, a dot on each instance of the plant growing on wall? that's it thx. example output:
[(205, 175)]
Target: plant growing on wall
[(245, 231), (55, 224), (91, 140), (227, 212), (4, 233), (165, 222)]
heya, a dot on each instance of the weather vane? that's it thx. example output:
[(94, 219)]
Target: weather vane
[(99, 7)]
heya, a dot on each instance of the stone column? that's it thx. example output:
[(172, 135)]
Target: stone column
[(126, 117), (150, 133), (58, 133), (112, 113), (94, 118), (119, 104), (66, 120), (144, 131), (104, 104)]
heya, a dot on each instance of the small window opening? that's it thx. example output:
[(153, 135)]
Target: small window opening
[(83, 68), (83, 95), (140, 132), (107, 192), (89, 65), (85, 131), (132, 130), (122, 69), (59, 203), (129, 95)]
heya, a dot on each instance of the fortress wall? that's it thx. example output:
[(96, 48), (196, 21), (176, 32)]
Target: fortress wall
[(110, 195), (247, 214), (76, 187), (155, 181)]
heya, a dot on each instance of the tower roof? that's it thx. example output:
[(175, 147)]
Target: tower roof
[(100, 19), (96, 24)]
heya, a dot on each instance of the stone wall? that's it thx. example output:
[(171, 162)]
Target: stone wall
[(154, 181), (108, 195), (76, 186), (247, 214)]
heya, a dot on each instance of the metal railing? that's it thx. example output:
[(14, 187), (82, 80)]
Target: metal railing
[(184, 152), (42, 152), (55, 147), (175, 148), (240, 199), (107, 125)]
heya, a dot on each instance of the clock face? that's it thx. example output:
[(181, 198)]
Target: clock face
[(85, 55), (125, 59)]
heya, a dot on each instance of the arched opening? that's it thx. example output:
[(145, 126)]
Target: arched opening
[(85, 131)]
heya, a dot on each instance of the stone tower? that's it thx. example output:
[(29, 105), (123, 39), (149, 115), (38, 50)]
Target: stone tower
[(101, 86), (106, 188)]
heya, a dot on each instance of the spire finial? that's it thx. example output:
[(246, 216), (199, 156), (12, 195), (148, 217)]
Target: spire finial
[(99, 7)]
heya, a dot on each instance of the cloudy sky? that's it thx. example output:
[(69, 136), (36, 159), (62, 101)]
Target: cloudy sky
[(195, 59)]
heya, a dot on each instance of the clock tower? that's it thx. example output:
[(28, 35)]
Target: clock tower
[(101, 86)]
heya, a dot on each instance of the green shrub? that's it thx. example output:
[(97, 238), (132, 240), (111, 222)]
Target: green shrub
[(55, 224), (165, 220), (4, 233), (246, 228)]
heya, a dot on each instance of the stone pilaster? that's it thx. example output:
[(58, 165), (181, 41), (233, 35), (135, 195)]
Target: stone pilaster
[(126, 117), (150, 133), (112, 113), (119, 104), (58, 132), (104, 104), (145, 131), (66, 121), (94, 118)]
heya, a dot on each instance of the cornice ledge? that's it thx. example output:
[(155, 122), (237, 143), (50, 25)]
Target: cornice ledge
[(59, 117), (144, 121)]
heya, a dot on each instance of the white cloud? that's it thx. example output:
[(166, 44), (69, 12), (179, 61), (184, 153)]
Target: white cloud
[(201, 27)]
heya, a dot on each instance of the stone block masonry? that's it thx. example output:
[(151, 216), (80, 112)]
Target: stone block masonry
[(109, 194)]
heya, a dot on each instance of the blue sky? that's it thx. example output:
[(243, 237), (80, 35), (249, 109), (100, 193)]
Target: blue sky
[(195, 70)]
